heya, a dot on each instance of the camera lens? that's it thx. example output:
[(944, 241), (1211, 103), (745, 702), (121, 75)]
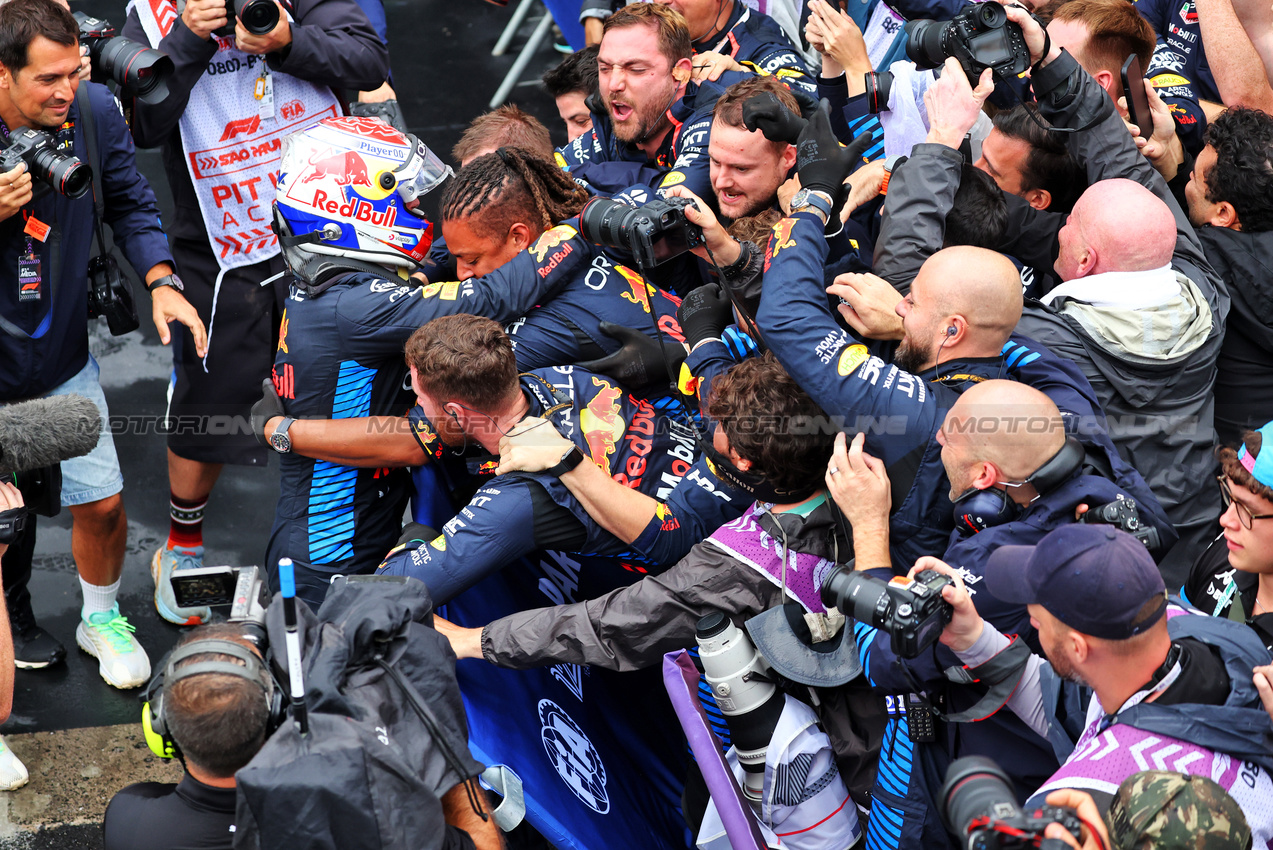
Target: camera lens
[(992, 15), (606, 222), (139, 70), (855, 595), (65, 173), (924, 41), (258, 16), (975, 786)]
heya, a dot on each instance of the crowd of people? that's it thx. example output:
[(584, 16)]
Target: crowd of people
[(803, 293)]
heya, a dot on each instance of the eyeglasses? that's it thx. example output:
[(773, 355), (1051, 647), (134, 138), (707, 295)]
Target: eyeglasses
[(1244, 513)]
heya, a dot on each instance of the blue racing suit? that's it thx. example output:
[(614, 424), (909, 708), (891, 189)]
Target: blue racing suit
[(1179, 68), (757, 42), (513, 515)]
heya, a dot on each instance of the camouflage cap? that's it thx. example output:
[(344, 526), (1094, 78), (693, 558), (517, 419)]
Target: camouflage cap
[(1160, 810)]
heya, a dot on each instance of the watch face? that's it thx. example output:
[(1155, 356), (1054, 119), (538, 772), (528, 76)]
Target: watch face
[(800, 199), (280, 442)]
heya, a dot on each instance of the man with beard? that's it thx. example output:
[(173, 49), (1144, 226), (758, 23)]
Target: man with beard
[(1169, 685), (654, 129)]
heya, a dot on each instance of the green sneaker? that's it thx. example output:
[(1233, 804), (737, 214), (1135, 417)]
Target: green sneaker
[(108, 637)]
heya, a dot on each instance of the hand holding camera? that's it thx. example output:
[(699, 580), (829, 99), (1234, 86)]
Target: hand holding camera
[(248, 34), (15, 190), (965, 624), (723, 246), (953, 105), (204, 17)]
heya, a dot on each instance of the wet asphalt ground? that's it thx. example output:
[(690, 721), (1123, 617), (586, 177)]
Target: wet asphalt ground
[(444, 75)]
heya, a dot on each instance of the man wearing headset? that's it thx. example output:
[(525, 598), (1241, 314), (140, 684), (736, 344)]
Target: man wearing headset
[(217, 722)]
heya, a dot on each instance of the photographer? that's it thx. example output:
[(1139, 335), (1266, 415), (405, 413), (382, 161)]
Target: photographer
[(47, 239), (246, 88), (1156, 670), (1014, 474)]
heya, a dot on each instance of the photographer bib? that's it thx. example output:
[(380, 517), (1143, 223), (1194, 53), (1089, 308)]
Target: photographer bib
[(232, 134)]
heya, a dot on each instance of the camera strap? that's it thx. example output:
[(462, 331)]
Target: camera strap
[(1002, 673), (94, 166)]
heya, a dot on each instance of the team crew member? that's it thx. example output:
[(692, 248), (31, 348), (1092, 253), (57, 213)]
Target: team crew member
[(465, 376), (234, 95), (654, 126)]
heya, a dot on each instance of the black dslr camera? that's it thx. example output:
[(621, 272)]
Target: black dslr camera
[(140, 71), (653, 233), (980, 809), (1123, 514), (110, 295), (37, 149), (912, 611), (242, 588), (980, 37), (258, 16)]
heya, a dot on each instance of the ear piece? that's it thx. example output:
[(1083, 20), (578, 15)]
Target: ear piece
[(952, 330)]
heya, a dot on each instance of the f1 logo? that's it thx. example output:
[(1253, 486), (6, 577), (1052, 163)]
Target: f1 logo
[(241, 125)]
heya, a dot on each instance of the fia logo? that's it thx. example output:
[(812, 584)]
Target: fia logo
[(574, 757)]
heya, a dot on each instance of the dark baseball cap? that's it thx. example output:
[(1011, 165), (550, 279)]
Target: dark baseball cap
[(1094, 578)]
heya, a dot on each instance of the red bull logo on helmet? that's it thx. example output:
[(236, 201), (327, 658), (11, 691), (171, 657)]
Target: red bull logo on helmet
[(601, 424), (358, 210), (347, 167)]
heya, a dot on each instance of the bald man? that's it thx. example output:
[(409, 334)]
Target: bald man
[(1014, 476)]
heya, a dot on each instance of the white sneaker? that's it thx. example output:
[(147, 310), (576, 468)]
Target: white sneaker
[(13, 773), (108, 637), (162, 566)]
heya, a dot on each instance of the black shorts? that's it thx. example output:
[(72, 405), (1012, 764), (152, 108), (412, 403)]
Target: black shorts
[(208, 407)]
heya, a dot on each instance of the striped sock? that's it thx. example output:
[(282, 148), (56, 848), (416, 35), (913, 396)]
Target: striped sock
[(186, 522)]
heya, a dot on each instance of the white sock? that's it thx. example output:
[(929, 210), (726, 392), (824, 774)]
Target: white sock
[(98, 598)]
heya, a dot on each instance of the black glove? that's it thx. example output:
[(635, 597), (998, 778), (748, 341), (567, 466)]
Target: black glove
[(766, 113), (264, 410), (820, 161), (704, 313), (640, 363)]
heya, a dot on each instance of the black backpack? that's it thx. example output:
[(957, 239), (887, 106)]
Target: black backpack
[(379, 755)]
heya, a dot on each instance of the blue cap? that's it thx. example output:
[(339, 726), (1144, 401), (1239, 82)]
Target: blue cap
[(1093, 578), (1261, 468)]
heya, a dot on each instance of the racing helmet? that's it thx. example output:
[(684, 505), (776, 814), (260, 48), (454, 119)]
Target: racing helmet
[(351, 187)]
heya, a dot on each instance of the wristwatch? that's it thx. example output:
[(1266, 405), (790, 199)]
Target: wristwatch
[(167, 280), (811, 198), (890, 163), (279, 441), (572, 458)]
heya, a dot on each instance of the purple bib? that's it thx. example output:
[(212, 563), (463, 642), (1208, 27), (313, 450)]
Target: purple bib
[(747, 542)]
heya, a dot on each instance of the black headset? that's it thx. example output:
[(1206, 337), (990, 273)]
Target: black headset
[(976, 510), (154, 720)]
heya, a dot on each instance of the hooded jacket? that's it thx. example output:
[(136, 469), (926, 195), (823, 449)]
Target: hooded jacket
[(1153, 369), (1244, 393)]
